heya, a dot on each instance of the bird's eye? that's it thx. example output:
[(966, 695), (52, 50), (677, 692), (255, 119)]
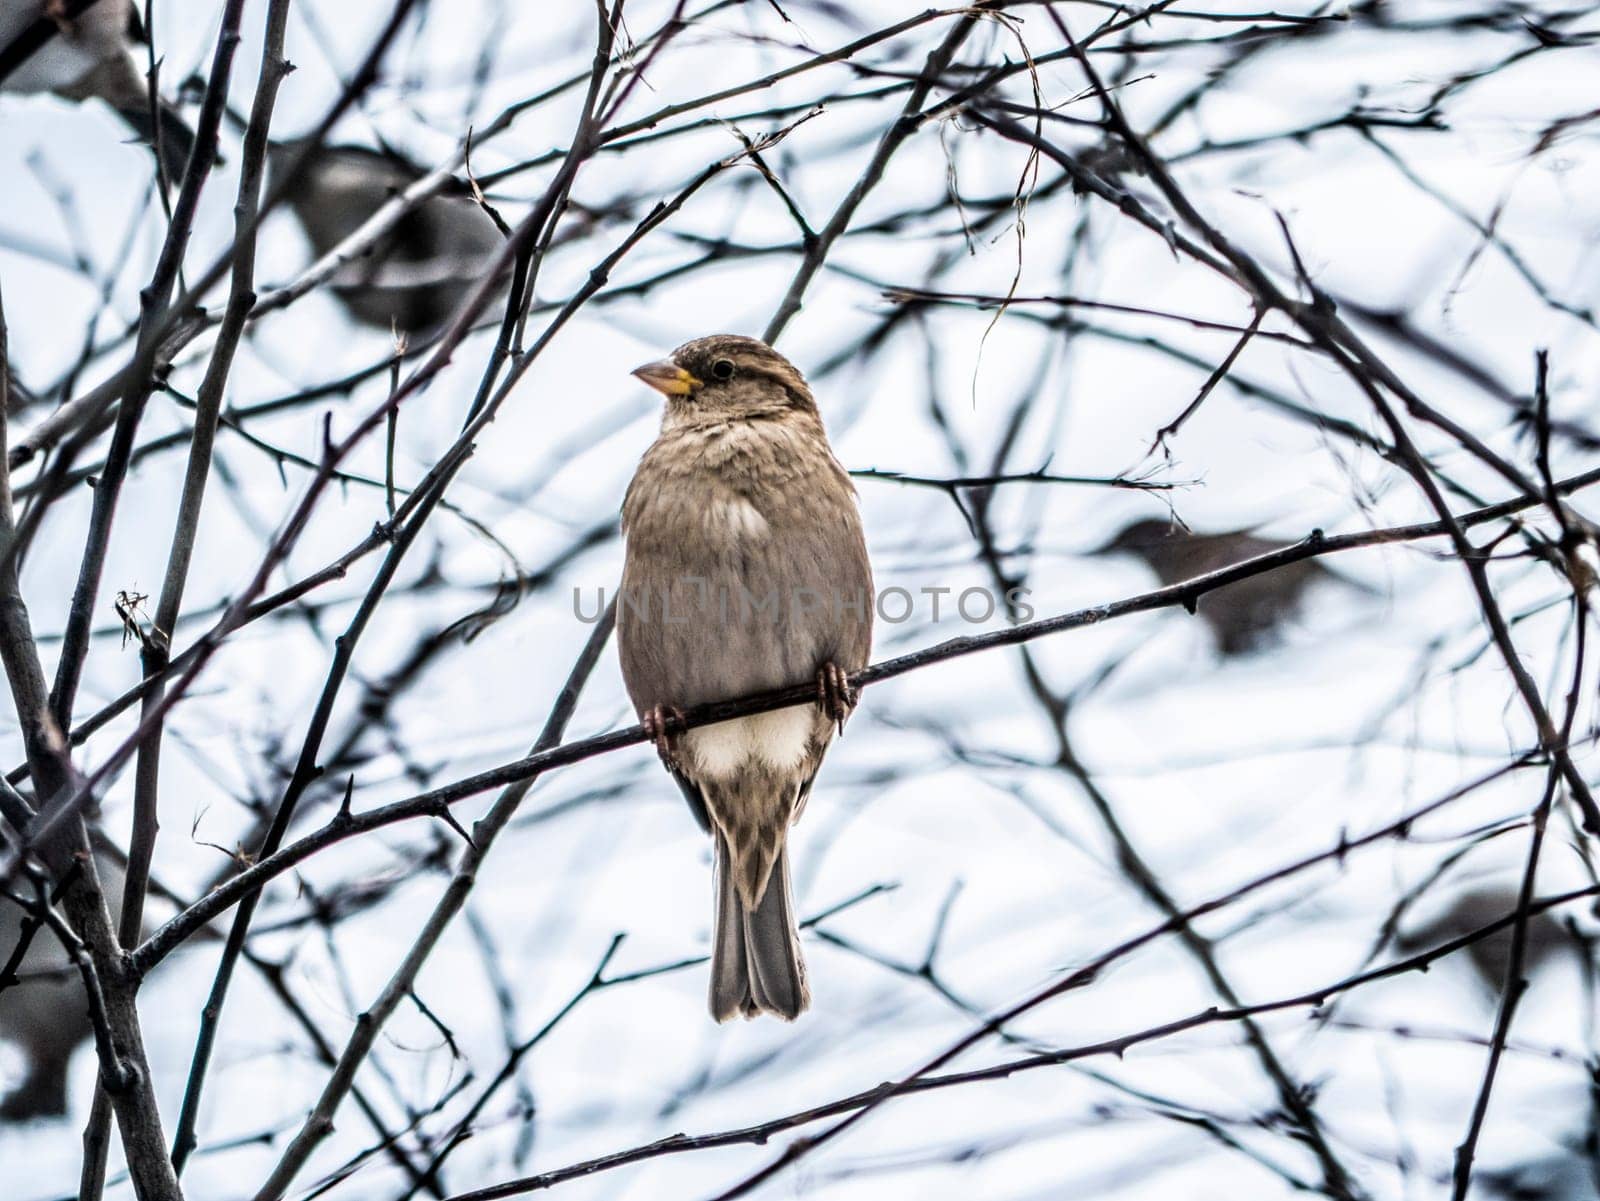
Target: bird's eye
[(722, 369)]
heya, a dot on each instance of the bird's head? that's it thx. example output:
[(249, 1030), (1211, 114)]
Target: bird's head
[(1147, 538), (728, 376)]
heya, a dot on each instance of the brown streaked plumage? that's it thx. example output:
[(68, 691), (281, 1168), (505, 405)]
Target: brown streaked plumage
[(746, 570)]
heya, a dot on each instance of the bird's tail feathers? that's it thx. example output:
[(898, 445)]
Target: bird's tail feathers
[(756, 965)]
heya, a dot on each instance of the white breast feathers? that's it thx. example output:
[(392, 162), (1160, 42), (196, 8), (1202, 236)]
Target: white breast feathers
[(779, 739)]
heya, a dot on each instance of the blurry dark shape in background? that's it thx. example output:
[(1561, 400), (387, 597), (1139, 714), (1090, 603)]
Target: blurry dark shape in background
[(1567, 1175), (1245, 616), (44, 1015), (92, 55), (1549, 936), (417, 273), (18, 396)]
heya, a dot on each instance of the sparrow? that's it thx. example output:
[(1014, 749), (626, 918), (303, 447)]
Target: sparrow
[(419, 272), (92, 55), (1243, 616), (44, 1014), (745, 570)]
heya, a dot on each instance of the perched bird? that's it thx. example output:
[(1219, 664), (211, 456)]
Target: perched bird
[(91, 55), (421, 270), (1243, 616), (44, 1014), (745, 570)]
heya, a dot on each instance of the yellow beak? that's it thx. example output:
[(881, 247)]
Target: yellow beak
[(667, 378)]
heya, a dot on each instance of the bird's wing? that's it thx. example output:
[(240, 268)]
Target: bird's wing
[(691, 794)]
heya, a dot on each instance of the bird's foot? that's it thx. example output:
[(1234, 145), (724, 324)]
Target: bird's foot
[(663, 724), (836, 696)]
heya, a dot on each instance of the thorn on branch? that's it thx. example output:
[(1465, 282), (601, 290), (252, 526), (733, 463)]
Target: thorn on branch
[(449, 819)]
